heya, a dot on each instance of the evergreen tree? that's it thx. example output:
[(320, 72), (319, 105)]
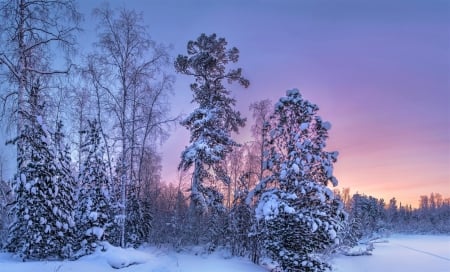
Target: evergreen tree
[(299, 215), (43, 205), (369, 213), (65, 188), (5, 214), (138, 220), (211, 123), (94, 206)]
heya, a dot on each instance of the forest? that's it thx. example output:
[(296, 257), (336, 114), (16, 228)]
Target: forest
[(87, 131)]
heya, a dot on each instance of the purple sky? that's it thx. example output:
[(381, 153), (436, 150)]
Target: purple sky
[(379, 71)]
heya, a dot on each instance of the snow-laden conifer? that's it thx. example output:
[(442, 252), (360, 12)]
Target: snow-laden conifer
[(212, 122), (43, 206), (139, 219), (94, 205), (299, 215), (65, 190)]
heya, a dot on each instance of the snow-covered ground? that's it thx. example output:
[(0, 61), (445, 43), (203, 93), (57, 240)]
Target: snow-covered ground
[(410, 253), (129, 260)]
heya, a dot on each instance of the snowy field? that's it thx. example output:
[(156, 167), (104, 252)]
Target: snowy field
[(412, 253)]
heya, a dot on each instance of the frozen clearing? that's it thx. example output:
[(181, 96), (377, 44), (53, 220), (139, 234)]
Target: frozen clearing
[(412, 253), (129, 260)]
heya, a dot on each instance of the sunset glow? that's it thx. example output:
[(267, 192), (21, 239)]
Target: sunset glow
[(378, 70), (237, 135)]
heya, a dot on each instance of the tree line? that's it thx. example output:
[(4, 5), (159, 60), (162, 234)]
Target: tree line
[(373, 216)]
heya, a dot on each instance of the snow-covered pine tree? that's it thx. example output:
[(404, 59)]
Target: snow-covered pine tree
[(299, 215), (43, 205), (212, 122), (94, 218)]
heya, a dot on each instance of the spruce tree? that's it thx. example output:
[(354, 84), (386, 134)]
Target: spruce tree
[(94, 204), (139, 219), (64, 197), (299, 215), (43, 205)]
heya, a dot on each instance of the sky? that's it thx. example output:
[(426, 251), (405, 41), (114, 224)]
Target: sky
[(378, 70)]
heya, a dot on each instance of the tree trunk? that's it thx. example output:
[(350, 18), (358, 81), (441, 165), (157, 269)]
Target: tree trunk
[(22, 78)]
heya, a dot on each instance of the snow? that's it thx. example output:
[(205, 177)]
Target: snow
[(326, 125), (267, 207), (283, 174), (293, 92), (288, 209), (304, 126), (359, 250), (131, 260), (97, 231), (93, 216), (412, 253), (332, 234), (120, 258), (314, 227)]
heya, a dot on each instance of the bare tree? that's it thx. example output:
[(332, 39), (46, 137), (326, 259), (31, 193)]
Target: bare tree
[(30, 32), (234, 167), (260, 112), (127, 70)]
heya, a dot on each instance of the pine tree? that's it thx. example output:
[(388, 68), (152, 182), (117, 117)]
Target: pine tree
[(211, 123), (94, 205), (299, 215)]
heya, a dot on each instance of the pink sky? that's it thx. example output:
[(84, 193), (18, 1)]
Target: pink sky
[(378, 70)]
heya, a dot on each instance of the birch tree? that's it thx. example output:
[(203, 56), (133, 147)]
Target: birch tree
[(127, 68), (31, 34)]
